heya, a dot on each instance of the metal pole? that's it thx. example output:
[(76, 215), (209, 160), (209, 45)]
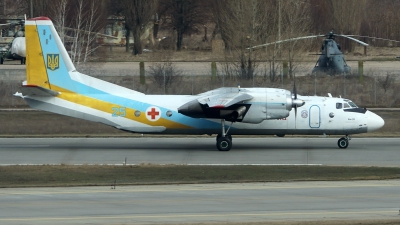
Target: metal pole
[(315, 83), (12, 92), (375, 89), (279, 27), (164, 82), (344, 85)]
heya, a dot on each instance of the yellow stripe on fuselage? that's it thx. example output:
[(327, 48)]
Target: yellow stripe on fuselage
[(36, 73), (107, 107)]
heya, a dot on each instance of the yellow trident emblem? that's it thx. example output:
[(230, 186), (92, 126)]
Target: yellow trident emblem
[(52, 61)]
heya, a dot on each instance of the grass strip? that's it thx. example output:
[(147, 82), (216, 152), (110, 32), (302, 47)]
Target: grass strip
[(101, 175)]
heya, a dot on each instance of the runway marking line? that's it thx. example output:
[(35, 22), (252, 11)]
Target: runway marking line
[(324, 213)]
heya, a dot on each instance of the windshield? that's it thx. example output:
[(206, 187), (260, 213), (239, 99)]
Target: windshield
[(352, 104), (349, 104)]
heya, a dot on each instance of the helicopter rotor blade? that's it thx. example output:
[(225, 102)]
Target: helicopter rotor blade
[(87, 32), (291, 39), (383, 39), (353, 39), (5, 25)]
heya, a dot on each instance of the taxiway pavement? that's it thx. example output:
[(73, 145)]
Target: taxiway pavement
[(202, 203)]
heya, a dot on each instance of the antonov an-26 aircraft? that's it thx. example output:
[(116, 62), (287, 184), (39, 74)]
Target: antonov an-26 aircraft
[(54, 85)]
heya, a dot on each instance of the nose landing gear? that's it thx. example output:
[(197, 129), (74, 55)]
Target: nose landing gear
[(344, 141)]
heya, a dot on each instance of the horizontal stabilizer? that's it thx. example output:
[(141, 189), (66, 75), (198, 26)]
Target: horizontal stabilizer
[(34, 90)]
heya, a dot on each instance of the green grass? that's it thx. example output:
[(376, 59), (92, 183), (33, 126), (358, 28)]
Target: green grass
[(86, 175)]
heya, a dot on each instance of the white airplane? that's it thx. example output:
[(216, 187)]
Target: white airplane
[(54, 85)]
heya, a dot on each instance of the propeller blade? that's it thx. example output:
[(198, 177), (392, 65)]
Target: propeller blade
[(353, 39)]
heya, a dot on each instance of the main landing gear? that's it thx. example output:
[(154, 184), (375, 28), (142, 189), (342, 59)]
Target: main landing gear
[(224, 140), (344, 142)]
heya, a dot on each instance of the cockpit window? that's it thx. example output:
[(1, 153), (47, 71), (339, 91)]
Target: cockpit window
[(346, 105), (338, 105), (352, 104)]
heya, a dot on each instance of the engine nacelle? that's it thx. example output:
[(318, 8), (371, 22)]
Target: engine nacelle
[(266, 104), (275, 104)]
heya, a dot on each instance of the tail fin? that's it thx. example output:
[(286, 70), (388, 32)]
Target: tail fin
[(48, 64)]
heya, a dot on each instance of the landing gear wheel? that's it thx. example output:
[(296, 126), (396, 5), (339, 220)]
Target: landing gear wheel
[(23, 60), (343, 143), (224, 144), (228, 136), (1, 60)]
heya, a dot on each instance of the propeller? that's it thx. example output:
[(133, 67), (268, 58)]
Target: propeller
[(296, 102)]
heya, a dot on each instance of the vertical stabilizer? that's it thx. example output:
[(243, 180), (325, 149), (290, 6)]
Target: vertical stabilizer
[(48, 64)]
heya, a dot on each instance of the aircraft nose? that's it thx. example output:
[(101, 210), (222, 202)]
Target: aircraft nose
[(374, 122)]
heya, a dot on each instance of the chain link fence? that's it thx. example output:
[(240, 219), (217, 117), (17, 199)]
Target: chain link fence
[(375, 90)]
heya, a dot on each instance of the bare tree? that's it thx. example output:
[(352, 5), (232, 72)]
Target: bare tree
[(386, 82), (296, 21), (185, 17), (138, 14), (60, 11), (347, 17), (382, 19), (165, 74), (77, 43), (242, 24), (91, 22)]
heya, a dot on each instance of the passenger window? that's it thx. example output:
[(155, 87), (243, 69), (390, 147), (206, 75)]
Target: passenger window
[(338, 105), (346, 105)]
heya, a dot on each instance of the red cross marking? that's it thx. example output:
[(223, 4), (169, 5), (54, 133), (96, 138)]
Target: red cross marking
[(153, 113)]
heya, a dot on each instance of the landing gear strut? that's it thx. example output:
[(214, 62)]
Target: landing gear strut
[(224, 141), (344, 141)]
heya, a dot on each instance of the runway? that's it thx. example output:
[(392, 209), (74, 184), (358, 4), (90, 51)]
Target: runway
[(205, 203), (274, 151), (201, 203)]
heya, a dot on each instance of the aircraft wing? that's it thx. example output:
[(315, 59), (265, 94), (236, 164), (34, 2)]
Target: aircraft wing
[(224, 100), (220, 103)]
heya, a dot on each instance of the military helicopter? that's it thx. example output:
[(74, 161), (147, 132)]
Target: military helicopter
[(331, 60), (14, 50)]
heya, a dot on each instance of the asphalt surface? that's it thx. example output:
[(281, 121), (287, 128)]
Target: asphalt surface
[(206, 203), (147, 149), (201, 203)]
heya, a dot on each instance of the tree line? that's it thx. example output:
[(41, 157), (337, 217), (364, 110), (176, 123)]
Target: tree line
[(239, 23)]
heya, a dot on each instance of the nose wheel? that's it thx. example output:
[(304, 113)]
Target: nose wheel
[(224, 140), (344, 142)]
